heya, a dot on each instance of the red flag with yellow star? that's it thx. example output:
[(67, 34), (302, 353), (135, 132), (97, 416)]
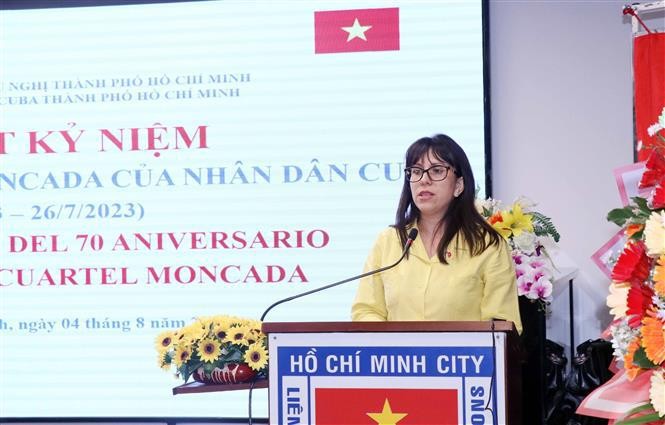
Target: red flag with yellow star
[(374, 406), (358, 30)]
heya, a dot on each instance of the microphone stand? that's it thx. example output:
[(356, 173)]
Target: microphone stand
[(412, 236)]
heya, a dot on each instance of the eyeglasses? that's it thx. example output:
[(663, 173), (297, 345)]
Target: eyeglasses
[(436, 173)]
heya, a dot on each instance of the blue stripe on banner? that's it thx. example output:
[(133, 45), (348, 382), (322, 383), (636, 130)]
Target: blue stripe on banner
[(385, 361)]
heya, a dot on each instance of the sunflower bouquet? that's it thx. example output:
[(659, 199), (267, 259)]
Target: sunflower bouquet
[(529, 234), (215, 349)]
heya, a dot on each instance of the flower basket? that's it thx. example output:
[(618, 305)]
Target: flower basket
[(215, 350), (232, 373), (637, 299), (530, 235)]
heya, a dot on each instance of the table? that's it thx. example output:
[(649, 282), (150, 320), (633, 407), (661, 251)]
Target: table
[(198, 387)]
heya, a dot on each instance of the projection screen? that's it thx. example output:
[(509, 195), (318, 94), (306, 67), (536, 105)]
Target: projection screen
[(160, 162)]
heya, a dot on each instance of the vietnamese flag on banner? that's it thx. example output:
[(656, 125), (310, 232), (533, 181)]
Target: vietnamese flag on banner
[(649, 71), (335, 406), (359, 30)]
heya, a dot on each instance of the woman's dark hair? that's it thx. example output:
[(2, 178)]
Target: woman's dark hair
[(461, 218)]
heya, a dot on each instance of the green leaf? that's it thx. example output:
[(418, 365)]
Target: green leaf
[(641, 420), (638, 409), (640, 359), (620, 216), (188, 368), (643, 208), (638, 235), (641, 203), (543, 226), (184, 372), (235, 356)]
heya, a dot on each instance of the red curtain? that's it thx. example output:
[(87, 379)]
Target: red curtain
[(649, 68)]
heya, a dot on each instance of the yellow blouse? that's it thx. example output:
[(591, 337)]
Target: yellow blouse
[(422, 288)]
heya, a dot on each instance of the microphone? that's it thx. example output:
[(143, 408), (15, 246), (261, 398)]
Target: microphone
[(410, 238)]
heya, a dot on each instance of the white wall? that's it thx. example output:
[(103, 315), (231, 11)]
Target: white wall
[(561, 97)]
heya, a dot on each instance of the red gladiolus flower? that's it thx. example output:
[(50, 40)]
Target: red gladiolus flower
[(633, 264), (658, 200), (639, 301), (655, 170)]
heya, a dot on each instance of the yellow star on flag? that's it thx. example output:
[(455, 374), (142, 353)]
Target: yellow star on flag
[(356, 31), (387, 417)]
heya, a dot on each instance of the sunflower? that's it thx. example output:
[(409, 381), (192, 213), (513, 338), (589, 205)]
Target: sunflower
[(657, 392), (164, 360), (209, 350), (206, 322), (237, 321), (211, 340), (254, 325), (220, 330), (254, 336), (192, 332), (223, 319), (223, 322), (653, 337), (164, 341), (256, 356), (237, 335), (182, 354)]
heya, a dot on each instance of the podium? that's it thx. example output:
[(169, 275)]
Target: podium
[(383, 372)]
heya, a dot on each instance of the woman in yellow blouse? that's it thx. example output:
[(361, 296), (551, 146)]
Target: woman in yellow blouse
[(458, 268)]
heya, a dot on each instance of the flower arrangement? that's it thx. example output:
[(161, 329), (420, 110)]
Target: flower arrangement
[(637, 291), (529, 234), (216, 349)]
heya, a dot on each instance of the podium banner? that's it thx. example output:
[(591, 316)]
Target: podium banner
[(368, 378)]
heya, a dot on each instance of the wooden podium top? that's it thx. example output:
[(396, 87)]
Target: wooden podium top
[(310, 327)]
